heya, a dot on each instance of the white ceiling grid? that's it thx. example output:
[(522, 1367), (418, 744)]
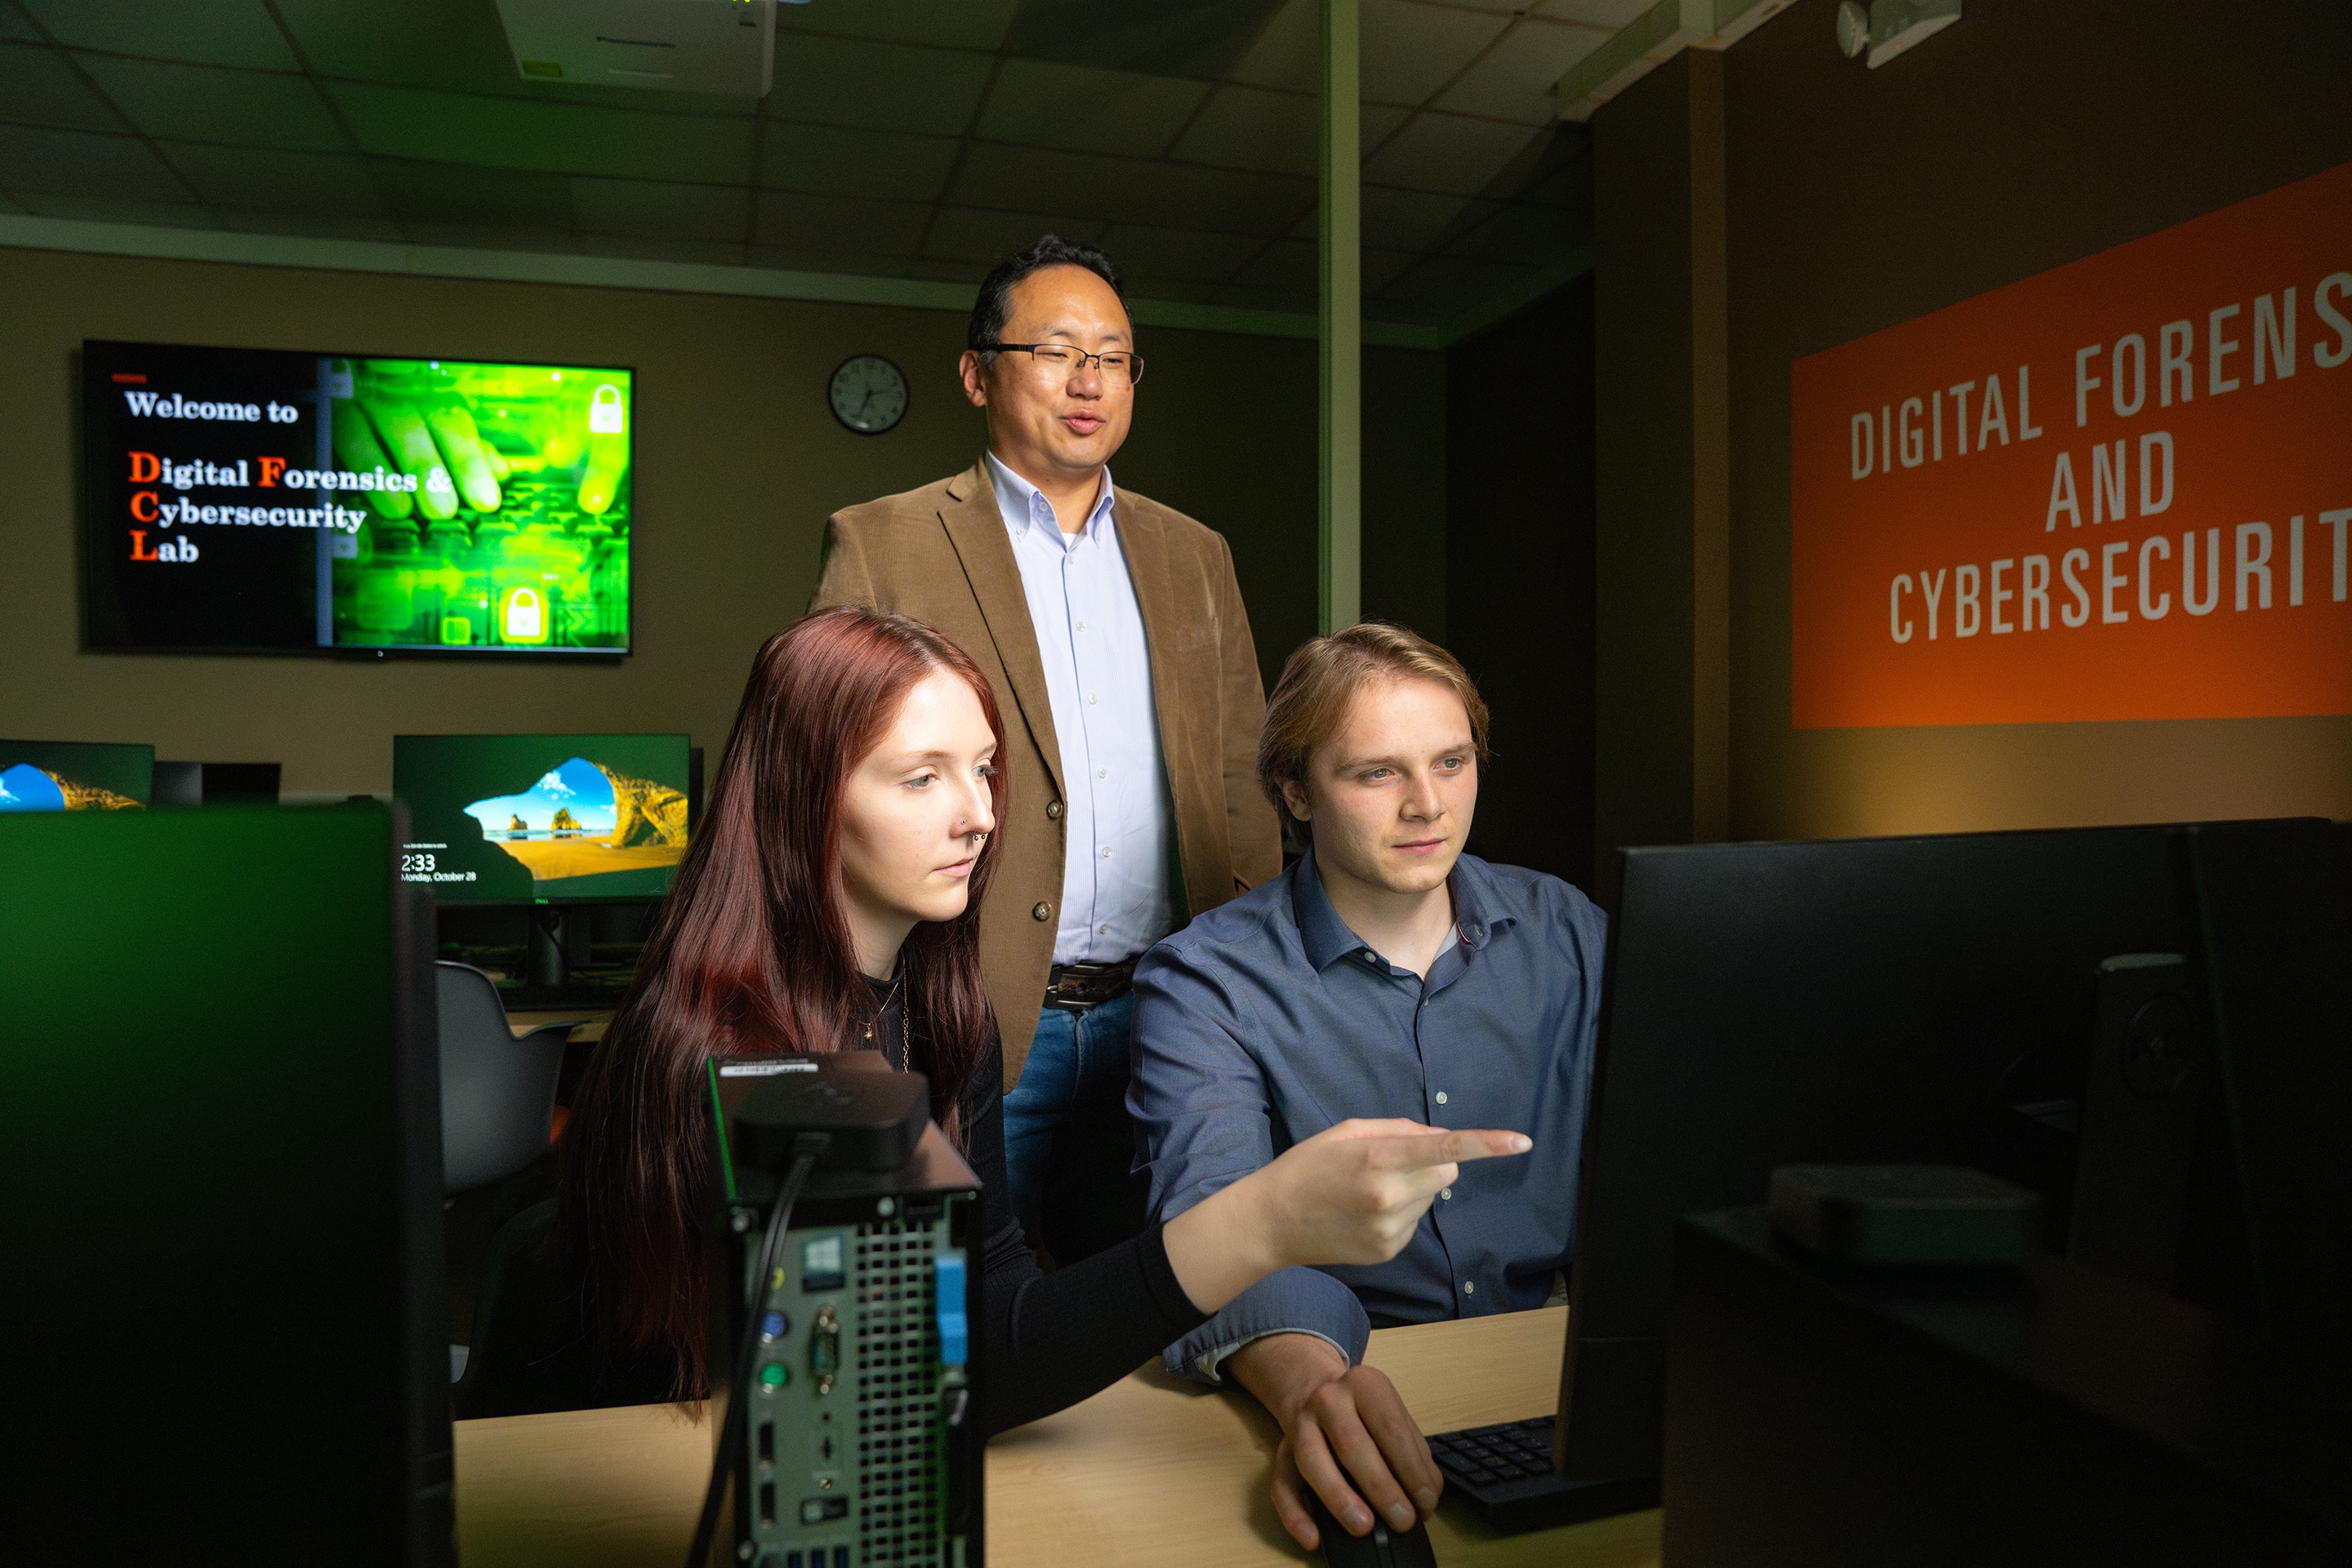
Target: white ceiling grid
[(916, 139)]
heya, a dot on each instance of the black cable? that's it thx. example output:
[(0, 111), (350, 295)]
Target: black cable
[(806, 1148)]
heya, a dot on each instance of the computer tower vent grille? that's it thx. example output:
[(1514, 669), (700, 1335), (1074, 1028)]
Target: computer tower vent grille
[(901, 1466)]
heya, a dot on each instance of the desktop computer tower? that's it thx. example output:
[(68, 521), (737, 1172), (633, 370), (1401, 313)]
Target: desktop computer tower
[(861, 1439)]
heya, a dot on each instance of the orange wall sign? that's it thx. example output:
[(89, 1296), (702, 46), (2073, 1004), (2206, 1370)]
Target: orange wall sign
[(2119, 489)]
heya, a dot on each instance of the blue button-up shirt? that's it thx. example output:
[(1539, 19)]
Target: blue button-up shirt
[(1118, 886), (1267, 1020)]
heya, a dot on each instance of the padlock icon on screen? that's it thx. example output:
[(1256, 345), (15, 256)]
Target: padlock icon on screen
[(523, 617), (606, 416)]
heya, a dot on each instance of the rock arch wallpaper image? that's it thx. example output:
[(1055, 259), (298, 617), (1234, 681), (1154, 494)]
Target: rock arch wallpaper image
[(533, 818)]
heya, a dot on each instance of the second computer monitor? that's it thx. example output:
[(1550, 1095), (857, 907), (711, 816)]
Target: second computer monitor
[(543, 818), (1878, 1001)]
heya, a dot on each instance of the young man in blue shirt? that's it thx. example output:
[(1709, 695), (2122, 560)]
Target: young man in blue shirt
[(1385, 974)]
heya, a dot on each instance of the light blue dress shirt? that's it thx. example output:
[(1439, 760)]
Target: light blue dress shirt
[(1119, 827), (1267, 1020)]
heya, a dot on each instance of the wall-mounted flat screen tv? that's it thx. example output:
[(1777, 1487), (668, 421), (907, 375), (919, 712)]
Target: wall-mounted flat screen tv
[(263, 500)]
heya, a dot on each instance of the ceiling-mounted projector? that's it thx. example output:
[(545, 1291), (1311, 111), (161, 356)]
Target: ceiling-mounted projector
[(726, 46)]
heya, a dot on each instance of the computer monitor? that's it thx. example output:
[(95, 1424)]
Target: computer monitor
[(1876, 1001), (538, 819), (75, 775), (226, 1311)]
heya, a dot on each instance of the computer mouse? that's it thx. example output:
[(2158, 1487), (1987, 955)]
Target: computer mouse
[(1383, 1548)]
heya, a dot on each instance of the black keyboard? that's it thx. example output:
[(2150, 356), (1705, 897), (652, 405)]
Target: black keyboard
[(1504, 1473)]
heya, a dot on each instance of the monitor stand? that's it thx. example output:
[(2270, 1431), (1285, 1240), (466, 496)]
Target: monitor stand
[(555, 939)]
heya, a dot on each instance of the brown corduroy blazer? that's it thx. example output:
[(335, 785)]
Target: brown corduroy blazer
[(941, 555)]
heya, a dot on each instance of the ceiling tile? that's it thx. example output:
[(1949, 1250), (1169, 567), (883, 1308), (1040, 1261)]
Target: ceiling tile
[(1288, 53), (1168, 289), (14, 24), (312, 225), (985, 237), (117, 209), (840, 223), (1514, 80), (63, 162), (1524, 236), (330, 184), (40, 86), (458, 194), (1197, 38), (209, 103), (1145, 255), (830, 160), (950, 24), (1280, 132), (877, 87), (1446, 152), (1609, 14), (217, 32), (577, 139), (1177, 195), (707, 252), (1456, 282), (9, 204), (1380, 266), (1407, 220), (1410, 51), (1040, 103), (1289, 266), (799, 258), (659, 209)]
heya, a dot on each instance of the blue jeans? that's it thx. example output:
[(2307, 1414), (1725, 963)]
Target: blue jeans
[(1076, 1070)]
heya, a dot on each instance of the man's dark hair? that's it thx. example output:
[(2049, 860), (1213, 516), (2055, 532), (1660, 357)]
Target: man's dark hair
[(994, 308)]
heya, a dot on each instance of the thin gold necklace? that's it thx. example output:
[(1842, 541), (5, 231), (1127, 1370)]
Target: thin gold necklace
[(906, 1029)]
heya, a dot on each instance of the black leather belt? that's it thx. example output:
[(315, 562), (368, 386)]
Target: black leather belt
[(1075, 987)]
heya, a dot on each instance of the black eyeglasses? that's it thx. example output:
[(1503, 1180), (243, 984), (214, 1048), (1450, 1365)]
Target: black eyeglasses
[(1062, 359)]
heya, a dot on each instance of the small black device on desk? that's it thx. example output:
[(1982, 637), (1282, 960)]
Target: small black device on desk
[(1383, 1548)]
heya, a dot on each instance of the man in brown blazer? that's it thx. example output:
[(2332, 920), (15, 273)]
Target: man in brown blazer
[(1113, 632)]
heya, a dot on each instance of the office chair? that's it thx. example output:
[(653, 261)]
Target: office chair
[(498, 1092)]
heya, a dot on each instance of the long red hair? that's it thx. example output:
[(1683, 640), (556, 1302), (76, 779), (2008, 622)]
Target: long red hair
[(751, 954)]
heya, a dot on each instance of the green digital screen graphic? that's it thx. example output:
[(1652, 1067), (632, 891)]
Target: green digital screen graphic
[(541, 818), (75, 775), (280, 501)]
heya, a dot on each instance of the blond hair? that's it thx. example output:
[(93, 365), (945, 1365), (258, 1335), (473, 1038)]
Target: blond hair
[(1321, 677)]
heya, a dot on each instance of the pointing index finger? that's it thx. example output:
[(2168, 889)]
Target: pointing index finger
[(1419, 1151)]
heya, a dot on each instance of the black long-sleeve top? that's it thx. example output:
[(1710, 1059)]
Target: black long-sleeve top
[(1049, 1340)]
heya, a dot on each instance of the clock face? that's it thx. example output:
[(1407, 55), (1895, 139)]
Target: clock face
[(868, 393)]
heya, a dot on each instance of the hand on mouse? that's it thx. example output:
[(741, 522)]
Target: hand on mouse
[(1352, 1194), (1345, 1432)]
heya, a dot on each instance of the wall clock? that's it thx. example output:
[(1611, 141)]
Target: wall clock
[(868, 393)]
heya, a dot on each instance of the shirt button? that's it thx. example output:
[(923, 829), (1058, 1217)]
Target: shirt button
[(1082, 626), (1106, 927), (1446, 1193), (1469, 1287), (1092, 698), (1106, 851), (1102, 772), (1043, 911), (1053, 811), (1441, 1097)]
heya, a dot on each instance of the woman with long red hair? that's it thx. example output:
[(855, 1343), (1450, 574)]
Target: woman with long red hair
[(830, 901)]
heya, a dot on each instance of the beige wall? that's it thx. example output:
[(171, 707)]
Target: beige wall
[(2020, 139), (738, 464)]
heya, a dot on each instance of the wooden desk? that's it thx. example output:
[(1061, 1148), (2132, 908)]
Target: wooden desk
[(591, 1029), (1151, 1470)]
